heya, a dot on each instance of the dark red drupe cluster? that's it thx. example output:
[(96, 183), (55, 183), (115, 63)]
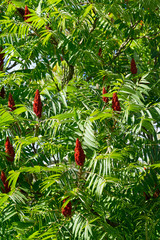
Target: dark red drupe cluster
[(6, 188), (66, 211), (115, 103), (37, 105), (133, 67), (9, 150), (11, 103), (26, 13), (79, 153), (105, 99)]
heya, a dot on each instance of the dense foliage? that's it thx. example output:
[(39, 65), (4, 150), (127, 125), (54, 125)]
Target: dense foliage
[(79, 119)]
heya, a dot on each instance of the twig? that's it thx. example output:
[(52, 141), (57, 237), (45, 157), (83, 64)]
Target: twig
[(125, 43), (148, 37), (122, 47), (94, 25), (71, 72)]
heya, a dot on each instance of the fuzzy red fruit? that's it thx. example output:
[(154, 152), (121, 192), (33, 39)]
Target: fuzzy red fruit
[(133, 67), (105, 99), (3, 177), (100, 52), (26, 13), (6, 188), (11, 103), (66, 211), (115, 103), (37, 105), (79, 153), (9, 150), (2, 92)]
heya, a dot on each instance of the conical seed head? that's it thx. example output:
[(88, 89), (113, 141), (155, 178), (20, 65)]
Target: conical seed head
[(79, 154), (26, 13), (105, 99), (3, 177), (37, 105), (104, 90), (66, 211), (9, 150), (133, 66), (6, 188), (115, 96), (115, 103)]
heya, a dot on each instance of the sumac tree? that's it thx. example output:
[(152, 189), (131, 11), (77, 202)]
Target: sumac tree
[(79, 119)]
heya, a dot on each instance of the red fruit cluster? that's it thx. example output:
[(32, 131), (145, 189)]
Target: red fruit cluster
[(66, 211), (79, 153), (37, 105), (9, 150), (115, 103), (1, 59), (100, 52), (26, 13), (11, 103), (6, 188), (2, 92), (133, 67), (105, 99)]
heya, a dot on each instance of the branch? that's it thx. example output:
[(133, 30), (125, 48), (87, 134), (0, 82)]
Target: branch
[(94, 25), (131, 39), (125, 43), (133, 26), (56, 85), (149, 37), (122, 47), (70, 74)]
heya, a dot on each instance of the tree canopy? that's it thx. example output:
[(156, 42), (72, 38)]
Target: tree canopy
[(80, 119)]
